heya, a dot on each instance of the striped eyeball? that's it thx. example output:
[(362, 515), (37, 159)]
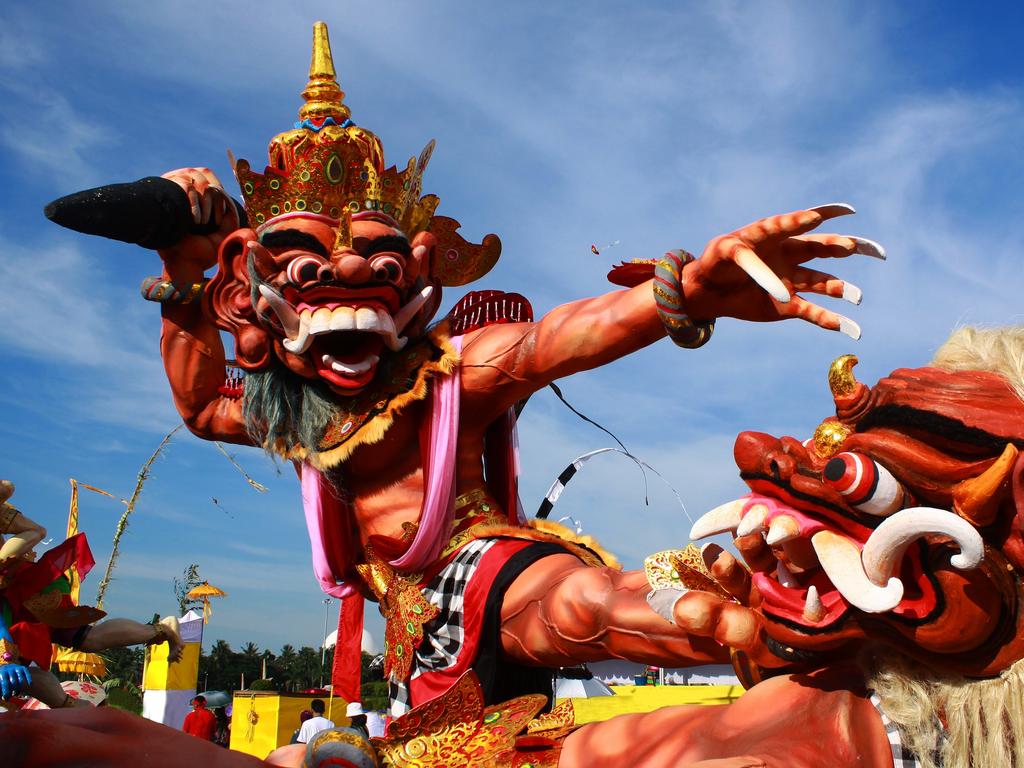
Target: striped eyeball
[(864, 483), (304, 269)]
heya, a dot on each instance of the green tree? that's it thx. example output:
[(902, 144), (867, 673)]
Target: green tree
[(189, 580), (283, 668), (220, 670), (250, 664), (124, 664), (307, 668)]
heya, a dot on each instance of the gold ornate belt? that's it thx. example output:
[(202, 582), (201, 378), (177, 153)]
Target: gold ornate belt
[(473, 510)]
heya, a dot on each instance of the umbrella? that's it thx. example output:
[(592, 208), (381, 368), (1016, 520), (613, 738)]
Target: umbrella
[(204, 592), (70, 660), (216, 699), (77, 690)]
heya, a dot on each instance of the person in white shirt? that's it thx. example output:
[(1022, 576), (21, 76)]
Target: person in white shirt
[(315, 724)]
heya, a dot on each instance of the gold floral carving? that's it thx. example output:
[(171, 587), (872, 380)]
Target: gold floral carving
[(681, 569), (456, 730), (405, 612)]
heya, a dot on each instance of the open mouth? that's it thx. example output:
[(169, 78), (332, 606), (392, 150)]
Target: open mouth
[(344, 332), (347, 358), (811, 575)]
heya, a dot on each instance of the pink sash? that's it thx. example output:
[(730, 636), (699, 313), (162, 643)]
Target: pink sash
[(329, 520)]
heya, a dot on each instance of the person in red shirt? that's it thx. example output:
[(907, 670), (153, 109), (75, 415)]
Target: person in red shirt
[(200, 722)]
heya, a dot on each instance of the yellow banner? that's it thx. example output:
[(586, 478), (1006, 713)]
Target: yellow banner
[(76, 582), (180, 676)]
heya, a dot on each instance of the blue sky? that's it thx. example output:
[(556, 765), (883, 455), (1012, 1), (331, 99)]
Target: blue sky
[(658, 125)]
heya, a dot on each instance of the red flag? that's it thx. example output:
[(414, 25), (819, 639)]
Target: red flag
[(347, 670)]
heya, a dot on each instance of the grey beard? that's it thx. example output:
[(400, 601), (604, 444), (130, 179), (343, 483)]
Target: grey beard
[(280, 407)]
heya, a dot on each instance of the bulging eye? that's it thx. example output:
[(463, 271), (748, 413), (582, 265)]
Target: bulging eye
[(304, 269), (386, 268), (864, 483)]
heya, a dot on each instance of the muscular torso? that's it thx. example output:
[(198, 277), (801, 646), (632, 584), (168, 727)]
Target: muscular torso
[(385, 479)]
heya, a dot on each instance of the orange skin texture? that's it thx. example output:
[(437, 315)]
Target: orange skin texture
[(754, 732), (762, 728)]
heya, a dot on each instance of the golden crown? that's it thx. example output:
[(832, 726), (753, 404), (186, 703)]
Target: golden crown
[(328, 166)]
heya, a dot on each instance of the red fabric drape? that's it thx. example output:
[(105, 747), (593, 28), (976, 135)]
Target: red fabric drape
[(346, 673)]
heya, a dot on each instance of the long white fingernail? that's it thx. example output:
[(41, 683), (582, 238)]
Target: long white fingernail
[(762, 274), (850, 328), (867, 247), (852, 293), (831, 210)]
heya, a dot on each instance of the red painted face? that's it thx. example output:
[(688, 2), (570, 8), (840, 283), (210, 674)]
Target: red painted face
[(892, 537), (328, 312)]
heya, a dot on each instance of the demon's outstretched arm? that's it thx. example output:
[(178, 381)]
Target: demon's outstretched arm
[(190, 343), (755, 273), (560, 612)]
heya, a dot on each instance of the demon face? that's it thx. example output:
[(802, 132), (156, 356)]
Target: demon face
[(897, 523), (326, 311)]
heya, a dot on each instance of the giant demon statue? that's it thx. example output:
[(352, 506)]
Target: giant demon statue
[(401, 432)]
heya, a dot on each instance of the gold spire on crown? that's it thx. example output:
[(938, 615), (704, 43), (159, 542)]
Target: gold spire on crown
[(331, 168), (324, 97)]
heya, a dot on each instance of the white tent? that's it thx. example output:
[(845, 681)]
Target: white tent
[(369, 646), (570, 688)]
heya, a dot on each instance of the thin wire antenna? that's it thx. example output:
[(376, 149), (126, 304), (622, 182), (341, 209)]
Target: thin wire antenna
[(625, 450), (258, 486)]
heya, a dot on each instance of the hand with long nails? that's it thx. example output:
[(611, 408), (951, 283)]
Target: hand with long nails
[(734, 623), (756, 273)]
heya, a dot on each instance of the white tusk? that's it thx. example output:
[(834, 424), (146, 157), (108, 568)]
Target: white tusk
[(840, 559), (719, 520), (886, 546), (406, 313), (753, 520), (814, 611), (295, 327), (783, 528), (284, 311), (784, 576), (762, 274), (303, 339), (386, 329)]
